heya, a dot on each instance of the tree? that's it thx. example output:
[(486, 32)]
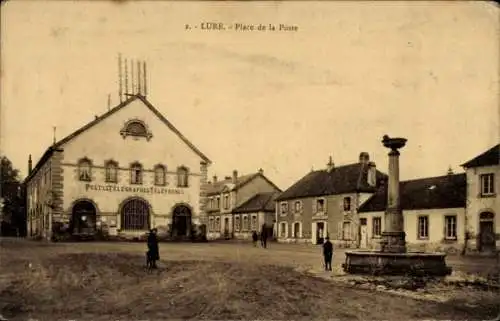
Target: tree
[(12, 194)]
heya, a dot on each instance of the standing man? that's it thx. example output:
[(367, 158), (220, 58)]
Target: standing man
[(153, 251), (328, 253), (263, 236)]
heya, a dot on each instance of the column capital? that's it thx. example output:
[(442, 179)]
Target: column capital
[(394, 152)]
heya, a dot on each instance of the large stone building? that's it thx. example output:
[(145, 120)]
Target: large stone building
[(128, 170), (325, 202), (224, 196)]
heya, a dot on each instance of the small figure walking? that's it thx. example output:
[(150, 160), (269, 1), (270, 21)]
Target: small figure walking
[(328, 253), (263, 236), (255, 238), (153, 253)]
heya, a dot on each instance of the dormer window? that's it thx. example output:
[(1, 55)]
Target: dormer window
[(160, 173), (84, 170), (182, 176), (136, 174), (136, 129), (111, 172)]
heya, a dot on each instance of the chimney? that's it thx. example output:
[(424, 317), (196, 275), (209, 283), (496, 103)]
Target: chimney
[(30, 165), (364, 158), (372, 174), (261, 171), (235, 176), (215, 179), (330, 166)]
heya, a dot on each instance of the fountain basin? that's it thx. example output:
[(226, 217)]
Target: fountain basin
[(407, 263)]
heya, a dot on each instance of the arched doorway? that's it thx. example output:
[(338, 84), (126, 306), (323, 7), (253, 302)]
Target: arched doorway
[(135, 215), (83, 218), (181, 221), (487, 240)]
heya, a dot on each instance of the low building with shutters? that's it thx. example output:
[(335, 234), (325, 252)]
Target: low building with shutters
[(250, 216), (230, 193), (325, 203), (433, 210), (125, 172)]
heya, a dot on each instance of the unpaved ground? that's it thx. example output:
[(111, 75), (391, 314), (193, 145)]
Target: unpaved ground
[(90, 281)]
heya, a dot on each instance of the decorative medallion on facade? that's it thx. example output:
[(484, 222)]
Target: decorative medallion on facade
[(136, 128)]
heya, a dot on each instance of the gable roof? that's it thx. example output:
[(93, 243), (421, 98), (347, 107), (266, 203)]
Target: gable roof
[(261, 202), (227, 184), (448, 191), (341, 180), (58, 145), (488, 158)]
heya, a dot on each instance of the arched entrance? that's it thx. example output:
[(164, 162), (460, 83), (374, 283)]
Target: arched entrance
[(83, 218), (181, 221), (487, 240), (135, 215)]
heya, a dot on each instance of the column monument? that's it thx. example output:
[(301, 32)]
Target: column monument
[(393, 257)]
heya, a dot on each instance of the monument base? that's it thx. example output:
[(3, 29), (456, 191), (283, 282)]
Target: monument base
[(383, 263)]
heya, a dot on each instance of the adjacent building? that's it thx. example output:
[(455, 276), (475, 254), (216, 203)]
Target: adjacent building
[(224, 196), (127, 171), (326, 202), (483, 202)]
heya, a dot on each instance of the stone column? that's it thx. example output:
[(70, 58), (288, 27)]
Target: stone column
[(393, 237)]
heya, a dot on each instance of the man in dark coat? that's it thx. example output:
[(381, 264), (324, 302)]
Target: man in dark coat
[(153, 251), (328, 253), (263, 236)]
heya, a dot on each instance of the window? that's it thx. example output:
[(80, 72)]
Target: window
[(283, 229), (218, 202), (245, 223), (182, 176), (346, 231), (347, 204), (136, 174), (226, 201), (135, 215), (217, 223), (423, 227), (253, 223), (487, 184), (320, 205), (211, 225), (111, 172), (284, 208), (450, 227), (136, 128), (377, 226), (160, 173), (212, 202), (237, 223), (297, 206), (296, 230), (84, 167)]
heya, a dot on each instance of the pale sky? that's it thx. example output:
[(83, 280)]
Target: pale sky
[(283, 101)]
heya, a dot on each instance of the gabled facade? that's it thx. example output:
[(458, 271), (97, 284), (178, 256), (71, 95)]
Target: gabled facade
[(325, 203), (228, 194), (483, 202), (250, 216), (127, 171), (433, 211)]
